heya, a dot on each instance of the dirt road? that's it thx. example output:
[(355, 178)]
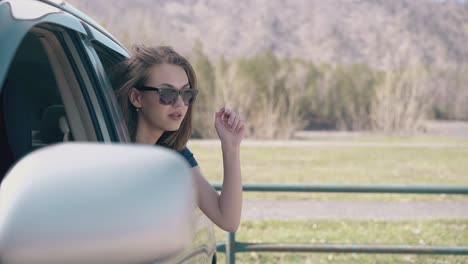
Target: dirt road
[(256, 209)]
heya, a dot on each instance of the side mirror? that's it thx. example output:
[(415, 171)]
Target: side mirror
[(96, 203)]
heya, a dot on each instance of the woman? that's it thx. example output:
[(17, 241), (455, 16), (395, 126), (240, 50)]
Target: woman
[(156, 90)]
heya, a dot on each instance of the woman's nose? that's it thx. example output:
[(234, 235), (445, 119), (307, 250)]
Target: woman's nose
[(179, 101)]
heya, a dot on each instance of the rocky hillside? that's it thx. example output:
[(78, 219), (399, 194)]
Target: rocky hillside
[(336, 31)]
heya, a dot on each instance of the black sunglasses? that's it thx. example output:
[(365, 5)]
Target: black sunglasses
[(168, 96)]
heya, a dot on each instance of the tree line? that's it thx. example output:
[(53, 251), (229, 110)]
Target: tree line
[(278, 96)]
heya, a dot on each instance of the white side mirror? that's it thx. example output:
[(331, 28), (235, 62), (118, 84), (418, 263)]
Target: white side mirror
[(96, 203)]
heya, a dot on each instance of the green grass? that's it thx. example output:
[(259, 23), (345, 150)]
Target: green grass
[(436, 232), (352, 165), (387, 139)]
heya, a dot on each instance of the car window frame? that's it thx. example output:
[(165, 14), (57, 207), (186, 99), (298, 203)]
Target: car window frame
[(61, 29), (69, 82), (103, 89)]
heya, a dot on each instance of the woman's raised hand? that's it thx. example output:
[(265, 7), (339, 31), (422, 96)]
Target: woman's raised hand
[(229, 126)]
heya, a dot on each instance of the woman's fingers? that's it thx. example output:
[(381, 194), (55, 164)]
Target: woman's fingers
[(219, 115), (235, 124), (240, 126), (229, 116), (231, 119)]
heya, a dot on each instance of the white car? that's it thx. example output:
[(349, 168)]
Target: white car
[(91, 196)]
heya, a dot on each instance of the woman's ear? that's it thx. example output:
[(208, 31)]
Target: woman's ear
[(135, 97)]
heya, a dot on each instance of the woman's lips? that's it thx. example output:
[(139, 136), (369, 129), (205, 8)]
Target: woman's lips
[(175, 116)]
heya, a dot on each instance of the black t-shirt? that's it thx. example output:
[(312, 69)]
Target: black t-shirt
[(189, 157)]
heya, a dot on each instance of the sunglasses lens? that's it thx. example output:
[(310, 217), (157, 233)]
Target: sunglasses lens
[(168, 96), (188, 97)]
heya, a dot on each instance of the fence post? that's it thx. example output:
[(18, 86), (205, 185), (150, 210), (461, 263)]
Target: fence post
[(231, 248)]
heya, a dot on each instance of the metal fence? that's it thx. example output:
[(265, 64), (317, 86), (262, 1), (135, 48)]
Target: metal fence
[(231, 246)]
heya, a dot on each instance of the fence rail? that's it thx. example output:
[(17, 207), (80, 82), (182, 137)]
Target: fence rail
[(231, 246), (353, 188)]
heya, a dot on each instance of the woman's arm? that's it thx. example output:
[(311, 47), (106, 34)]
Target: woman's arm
[(224, 209)]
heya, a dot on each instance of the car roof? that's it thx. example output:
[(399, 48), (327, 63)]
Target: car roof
[(70, 9)]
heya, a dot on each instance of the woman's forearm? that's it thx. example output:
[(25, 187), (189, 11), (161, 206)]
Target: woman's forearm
[(230, 200)]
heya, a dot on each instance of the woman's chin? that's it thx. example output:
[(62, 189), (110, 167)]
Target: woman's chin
[(173, 128)]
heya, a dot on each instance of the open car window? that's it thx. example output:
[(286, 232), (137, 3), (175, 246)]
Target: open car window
[(104, 55), (42, 99)]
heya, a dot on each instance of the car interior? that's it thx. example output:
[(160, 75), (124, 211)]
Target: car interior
[(38, 99)]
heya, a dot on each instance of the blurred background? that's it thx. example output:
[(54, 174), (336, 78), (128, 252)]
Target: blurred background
[(288, 66)]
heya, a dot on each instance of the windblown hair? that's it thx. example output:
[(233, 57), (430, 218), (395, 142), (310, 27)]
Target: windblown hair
[(134, 72)]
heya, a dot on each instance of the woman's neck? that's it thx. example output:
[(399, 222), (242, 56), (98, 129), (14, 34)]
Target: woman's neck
[(145, 135)]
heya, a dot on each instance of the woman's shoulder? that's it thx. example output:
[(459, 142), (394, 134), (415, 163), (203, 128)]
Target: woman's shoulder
[(188, 155)]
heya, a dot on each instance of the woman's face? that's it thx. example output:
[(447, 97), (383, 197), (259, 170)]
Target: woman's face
[(156, 115)]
